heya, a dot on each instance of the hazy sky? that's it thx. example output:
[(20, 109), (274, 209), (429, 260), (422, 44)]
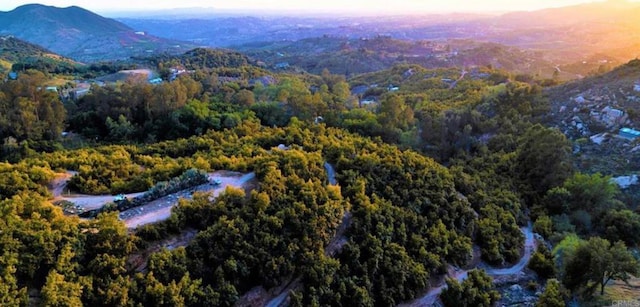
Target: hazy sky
[(363, 6)]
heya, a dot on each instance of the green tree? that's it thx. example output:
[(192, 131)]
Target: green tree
[(543, 160), (120, 130), (553, 295), (169, 266), (565, 249), (592, 193), (556, 201), (596, 262), (542, 262), (244, 98), (58, 291), (270, 114), (499, 237), (10, 293), (395, 114), (621, 225), (543, 226), (476, 290), (107, 247)]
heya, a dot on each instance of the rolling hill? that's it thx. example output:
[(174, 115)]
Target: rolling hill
[(16, 51), (80, 34)]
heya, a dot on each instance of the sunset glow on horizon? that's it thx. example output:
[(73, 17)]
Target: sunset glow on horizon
[(353, 6)]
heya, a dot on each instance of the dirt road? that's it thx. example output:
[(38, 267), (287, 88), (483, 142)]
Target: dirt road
[(279, 300), (331, 173), (529, 247), (59, 184)]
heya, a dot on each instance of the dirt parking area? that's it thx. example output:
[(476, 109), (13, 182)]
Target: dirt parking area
[(160, 209), (157, 210)]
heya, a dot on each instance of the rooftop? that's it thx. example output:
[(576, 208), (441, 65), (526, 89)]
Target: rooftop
[(629, 133)]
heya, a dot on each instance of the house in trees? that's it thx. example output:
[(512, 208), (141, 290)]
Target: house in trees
[(155, 81), (368, 101), (283, 65)]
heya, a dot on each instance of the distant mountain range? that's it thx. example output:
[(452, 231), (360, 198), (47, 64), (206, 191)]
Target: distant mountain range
[(566, 35), (80, 34)]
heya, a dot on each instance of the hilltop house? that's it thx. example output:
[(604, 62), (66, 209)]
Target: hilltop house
[(176, 72)]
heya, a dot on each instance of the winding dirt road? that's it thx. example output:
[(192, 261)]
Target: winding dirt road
[(529, 246), (433, 294), (331, 173), (338, 241)]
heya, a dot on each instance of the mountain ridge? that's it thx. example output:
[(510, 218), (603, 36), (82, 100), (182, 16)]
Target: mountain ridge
[(81, 34)]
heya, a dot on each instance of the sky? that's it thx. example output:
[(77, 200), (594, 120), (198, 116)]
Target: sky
[(348, 6)]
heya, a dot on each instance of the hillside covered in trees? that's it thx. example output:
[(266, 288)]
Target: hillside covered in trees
[(436, 170)]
